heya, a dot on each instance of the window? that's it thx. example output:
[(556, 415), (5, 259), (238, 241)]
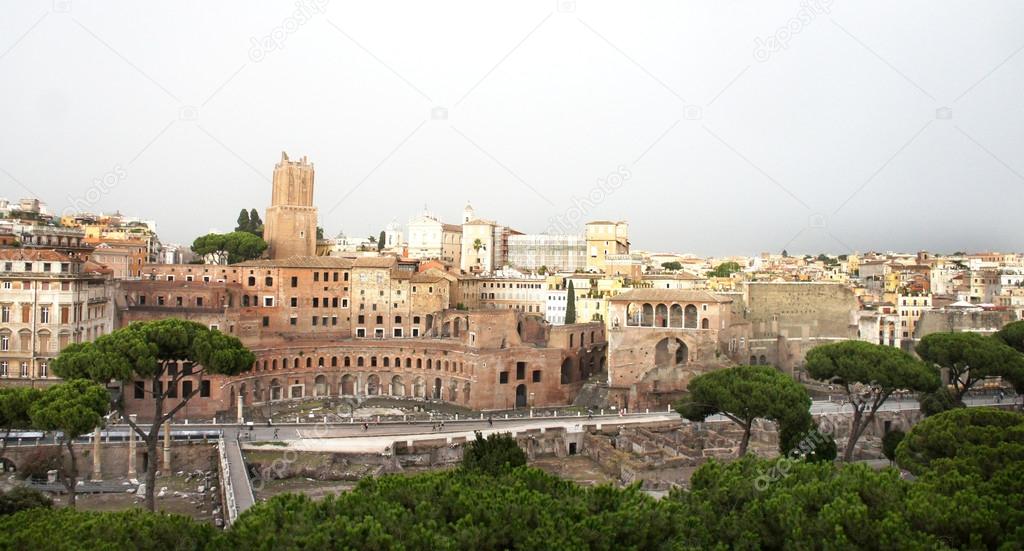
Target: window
[(3, 368), (140, 390), (266, 321), (295, 281), (360, 318), (293, 320), (315, 320), (44, 314), (520, 371), (316, 302), (5, 343), (172, 389), (204, 389), (186, 389), (316, 276), (295, 302), (268, 281), (503, 378), (536, 375), (268, 301), (251, 281)]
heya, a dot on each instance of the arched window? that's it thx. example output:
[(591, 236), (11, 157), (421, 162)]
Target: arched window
[(690, 317)]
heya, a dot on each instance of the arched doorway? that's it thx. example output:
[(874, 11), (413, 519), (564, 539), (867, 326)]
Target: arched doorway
[(566, 375), (437, 388), (320, 386), (419, 389), (670, 352), (373, 385), (397, 386), (348, 385), (521, 396)]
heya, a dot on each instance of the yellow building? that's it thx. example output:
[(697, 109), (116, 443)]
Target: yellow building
[(605, 238)]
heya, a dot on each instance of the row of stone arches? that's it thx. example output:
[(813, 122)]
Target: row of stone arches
[(663, 315), (359, 385), (383, 361)]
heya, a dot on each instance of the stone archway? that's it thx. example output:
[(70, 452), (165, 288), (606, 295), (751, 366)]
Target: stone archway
[(671, 352), (348, 385), (566, 372), (397, 386), (373, 385), (520, 396)]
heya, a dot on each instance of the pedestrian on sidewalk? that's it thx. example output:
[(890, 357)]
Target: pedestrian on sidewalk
[(275, 434)]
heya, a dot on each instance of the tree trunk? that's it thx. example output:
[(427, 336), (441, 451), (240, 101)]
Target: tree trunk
[(745, 440), (855, 430), (71, 480), (151, 451)]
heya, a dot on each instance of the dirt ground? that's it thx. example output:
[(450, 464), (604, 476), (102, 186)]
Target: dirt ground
[(577, 468), (181, 497)]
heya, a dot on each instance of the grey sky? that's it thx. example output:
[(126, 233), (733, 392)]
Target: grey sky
[(830, 139)]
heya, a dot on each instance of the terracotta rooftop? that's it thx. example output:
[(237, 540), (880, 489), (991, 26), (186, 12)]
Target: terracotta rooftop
[(30, 255)]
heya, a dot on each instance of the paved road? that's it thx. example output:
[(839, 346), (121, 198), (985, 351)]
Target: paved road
[(377, 438), (240, 483)]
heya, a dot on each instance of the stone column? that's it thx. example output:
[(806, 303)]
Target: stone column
[(166, 466), (131, 448), (97, 471), (241, 402)]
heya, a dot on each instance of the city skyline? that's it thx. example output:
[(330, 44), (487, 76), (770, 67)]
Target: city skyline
[(727, 131)]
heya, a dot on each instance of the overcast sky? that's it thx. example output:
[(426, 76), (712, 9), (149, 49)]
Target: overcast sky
[(712, 127)]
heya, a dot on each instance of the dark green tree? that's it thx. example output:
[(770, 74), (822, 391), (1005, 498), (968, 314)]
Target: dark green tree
[(14, 410), (20, 498), (1012, 334), (868, 374), (255, 223), (979, 440), (243, 221), (748, 392), (380, 241), (970, 358), (890, 441), (941, 399), (75, 407), (237, 246), (725, 269), (319, 233), (494, 454), (570, 304), (674, 265), (66, 529), (147, 352), (811, 445)]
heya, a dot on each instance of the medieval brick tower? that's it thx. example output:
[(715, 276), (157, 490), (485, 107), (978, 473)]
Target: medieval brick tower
[(290, 228)]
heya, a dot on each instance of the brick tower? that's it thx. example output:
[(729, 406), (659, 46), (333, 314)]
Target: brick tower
[(290, 228)]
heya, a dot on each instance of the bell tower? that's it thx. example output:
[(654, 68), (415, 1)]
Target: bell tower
[(290, 227)]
